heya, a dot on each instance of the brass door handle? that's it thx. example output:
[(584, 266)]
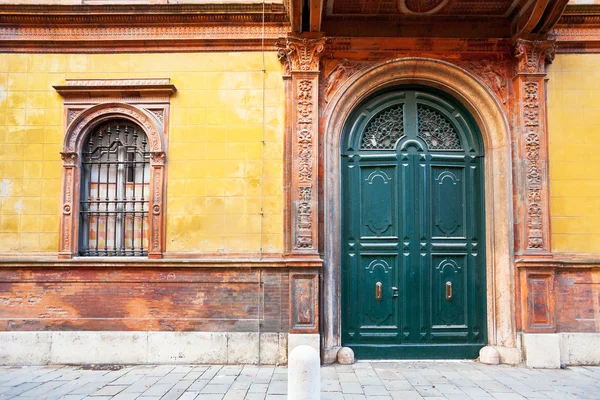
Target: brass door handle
[(378, 287), (448, 290)]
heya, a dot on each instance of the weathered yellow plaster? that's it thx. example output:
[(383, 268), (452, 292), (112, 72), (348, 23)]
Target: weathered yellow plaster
[(574, 152), (224, 185)]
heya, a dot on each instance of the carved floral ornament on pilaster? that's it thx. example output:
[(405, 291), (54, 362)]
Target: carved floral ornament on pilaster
[(301, 60), (84, 110), (533, 55), (532, 58)]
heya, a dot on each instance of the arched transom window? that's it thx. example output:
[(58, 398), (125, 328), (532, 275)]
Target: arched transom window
[(115, 190)]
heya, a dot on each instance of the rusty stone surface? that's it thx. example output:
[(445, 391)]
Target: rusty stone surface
[(153, 299)]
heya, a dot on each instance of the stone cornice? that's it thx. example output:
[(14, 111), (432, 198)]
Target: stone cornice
[(85, 88), (137, 28), (533, 55), (151, 12)]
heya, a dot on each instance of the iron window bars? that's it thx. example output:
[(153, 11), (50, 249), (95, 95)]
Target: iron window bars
[(114, 191)]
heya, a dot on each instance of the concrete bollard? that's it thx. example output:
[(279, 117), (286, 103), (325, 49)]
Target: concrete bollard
[(304, 374)]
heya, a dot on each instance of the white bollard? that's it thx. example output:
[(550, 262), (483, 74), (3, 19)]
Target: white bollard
[(304, 374)]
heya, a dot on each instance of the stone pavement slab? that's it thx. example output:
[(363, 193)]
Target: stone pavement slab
[(361, 381)]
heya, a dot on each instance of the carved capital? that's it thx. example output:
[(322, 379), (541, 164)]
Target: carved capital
[(68, 158), (533, 55), (300, 54), (157, 158)]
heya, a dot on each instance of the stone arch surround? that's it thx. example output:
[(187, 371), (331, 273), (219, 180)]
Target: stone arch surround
[(492, 122), (76, 132)]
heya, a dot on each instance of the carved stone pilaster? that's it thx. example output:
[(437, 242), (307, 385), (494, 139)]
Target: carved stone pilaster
[(301, 59), (532, 204), (69, 191)]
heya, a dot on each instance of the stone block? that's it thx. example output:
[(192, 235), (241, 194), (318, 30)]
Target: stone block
[(25, 348), (187, 347), (542, 350), (580, 348), (110, 347), (242, 348), (489, 355)]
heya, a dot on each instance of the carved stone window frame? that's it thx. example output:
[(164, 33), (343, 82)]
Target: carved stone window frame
[(90, 102)]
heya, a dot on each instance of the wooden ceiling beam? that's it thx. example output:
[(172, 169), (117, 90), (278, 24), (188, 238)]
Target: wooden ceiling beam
[(539, 18), (526, 20), (552, 15), (296, 16), (316, 15)]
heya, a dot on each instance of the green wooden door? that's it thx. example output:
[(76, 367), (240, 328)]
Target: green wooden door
[(413, 270)]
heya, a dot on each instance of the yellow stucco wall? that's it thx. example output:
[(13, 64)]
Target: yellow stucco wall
[(220, 173), (574, 145)]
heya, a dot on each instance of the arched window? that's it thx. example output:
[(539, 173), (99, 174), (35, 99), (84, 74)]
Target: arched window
[(114, 160), (114, 198)]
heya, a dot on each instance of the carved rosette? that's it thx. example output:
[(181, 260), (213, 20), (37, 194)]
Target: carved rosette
[(301, 59), (531, 59), (532, 56)]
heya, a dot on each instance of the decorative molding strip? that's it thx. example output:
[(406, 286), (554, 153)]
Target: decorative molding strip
[(163, 36), (73, 33), (561, 261), (120, 82), (86, 88), (345, 47), (202, 261), (9, 10)]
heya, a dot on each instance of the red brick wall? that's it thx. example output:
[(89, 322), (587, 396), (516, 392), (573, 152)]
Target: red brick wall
[(558, 298), (165, 299), (578, 301)]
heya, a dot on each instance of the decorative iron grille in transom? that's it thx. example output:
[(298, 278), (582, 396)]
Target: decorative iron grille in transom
[(114, 191), (436, 130), (384, 130)]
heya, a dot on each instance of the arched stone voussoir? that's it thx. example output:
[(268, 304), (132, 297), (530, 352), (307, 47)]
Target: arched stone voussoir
[(92, 116)]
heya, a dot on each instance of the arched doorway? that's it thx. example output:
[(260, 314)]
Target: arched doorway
[(412, 228)]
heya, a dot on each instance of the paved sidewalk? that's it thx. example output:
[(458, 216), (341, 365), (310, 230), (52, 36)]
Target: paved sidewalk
[(362, 381)]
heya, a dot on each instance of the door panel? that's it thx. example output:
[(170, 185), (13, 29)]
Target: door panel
[(447, 202), (413, 272), (378, 277), (379, 204)]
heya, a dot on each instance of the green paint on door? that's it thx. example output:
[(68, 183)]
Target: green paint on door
[(413, 244)]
